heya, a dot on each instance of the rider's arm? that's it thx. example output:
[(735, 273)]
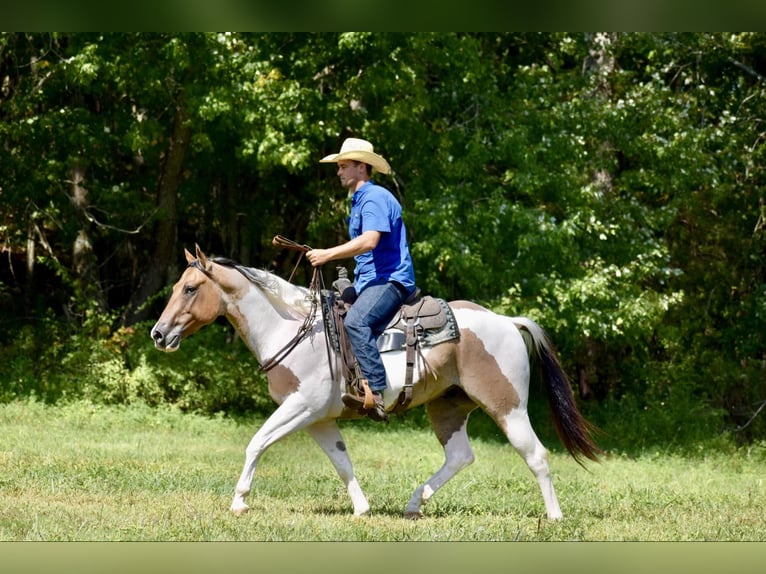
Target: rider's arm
[(365, 242)]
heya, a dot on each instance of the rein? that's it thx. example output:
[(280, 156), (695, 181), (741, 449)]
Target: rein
[(281, 241), (305, 328), (317, 283)]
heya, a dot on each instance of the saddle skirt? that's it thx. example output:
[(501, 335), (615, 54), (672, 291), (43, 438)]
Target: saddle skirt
[(434, 323)]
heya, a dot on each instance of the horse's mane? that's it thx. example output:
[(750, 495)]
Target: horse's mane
[(294, 296)]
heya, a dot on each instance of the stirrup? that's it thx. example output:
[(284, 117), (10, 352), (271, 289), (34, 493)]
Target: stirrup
[(364, 405), (359, 395), (358, 390)]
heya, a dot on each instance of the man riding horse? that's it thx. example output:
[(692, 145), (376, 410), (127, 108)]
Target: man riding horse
[(383, 277)]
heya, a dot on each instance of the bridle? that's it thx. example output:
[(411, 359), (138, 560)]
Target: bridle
[(317, 283)]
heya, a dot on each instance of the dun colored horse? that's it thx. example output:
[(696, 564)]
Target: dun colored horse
[(489, 367)]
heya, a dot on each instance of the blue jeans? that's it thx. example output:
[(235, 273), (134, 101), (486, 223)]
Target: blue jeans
[(366, 319)]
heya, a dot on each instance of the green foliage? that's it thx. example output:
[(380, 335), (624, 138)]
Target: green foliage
[(608, 185), (213, 372)]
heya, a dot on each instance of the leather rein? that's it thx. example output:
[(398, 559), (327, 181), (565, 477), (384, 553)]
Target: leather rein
[(315, 285)]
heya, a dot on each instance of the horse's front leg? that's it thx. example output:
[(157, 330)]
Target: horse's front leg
[(291, 416), (328, 436)]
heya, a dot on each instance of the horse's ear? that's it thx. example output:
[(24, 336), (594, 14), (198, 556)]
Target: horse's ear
[(189, 256), (201, 257)]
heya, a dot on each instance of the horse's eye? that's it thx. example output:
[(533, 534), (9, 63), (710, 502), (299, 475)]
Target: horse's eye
[(190, 290)]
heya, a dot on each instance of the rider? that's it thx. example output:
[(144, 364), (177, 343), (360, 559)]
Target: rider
[(383, 276)]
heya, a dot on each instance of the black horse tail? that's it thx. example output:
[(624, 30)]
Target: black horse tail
[(573, 430)]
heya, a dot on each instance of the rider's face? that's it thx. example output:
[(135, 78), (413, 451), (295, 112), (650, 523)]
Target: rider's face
[(351, 174)]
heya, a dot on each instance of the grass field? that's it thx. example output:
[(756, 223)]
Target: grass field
[(86, 472)]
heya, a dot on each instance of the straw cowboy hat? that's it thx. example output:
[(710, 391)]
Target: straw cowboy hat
[(358, 150)]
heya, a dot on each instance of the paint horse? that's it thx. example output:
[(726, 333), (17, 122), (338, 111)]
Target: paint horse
[(489, 367)]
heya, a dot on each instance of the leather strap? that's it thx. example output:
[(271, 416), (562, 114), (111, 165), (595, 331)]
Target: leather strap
[(303, 330), (412, 341), (281, 241)]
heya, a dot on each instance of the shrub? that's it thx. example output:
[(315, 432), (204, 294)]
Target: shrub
[(212, 372)]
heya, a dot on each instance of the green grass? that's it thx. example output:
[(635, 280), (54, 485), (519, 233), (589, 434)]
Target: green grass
[(89, 472)]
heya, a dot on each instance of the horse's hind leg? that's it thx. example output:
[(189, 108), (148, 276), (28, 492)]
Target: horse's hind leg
[(487, 384), (519, 431), (449, 416), (328, 436)]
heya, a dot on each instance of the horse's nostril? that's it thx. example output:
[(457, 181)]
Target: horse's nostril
[(157, 335)]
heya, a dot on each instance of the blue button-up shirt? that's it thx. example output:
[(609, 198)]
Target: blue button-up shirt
[(374, 208)]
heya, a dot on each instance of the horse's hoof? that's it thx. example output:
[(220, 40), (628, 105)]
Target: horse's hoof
[(413, 515), (240, 510)]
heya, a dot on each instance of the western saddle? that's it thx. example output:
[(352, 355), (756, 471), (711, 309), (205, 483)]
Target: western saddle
[(422, 321)]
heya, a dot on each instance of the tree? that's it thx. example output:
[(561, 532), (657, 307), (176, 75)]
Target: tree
[(607, 185)]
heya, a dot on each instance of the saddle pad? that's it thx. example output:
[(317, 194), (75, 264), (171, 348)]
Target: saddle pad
[(391, 340), (447, 332), (328, 299)]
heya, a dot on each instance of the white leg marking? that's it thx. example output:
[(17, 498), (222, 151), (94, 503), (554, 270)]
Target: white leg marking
[(291, 416), (457, 455), (525, 441), (328, 436)]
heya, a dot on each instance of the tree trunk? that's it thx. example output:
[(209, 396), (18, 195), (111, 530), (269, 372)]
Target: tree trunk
[(161, 263), (598, 67), (600, 62), (84, 261)]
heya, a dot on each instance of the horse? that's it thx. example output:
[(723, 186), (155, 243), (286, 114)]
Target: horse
[(488, 367)]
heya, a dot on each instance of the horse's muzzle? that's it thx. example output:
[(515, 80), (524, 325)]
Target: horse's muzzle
[(164, 342)]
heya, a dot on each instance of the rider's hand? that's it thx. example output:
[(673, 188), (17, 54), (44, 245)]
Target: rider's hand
[(318, 257)]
